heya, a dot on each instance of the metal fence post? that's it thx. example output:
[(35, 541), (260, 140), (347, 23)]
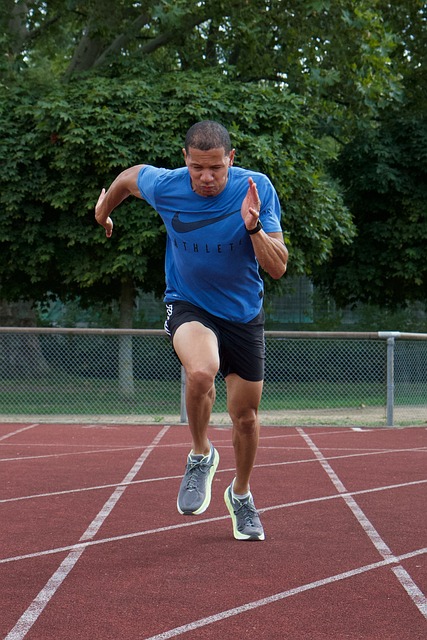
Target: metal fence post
[(183, 405), (390, 336)]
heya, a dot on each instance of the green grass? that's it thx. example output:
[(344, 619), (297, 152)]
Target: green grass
[(70, 396), (74, 395), (322, 395)]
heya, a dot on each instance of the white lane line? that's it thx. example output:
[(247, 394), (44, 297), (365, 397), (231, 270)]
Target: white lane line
[(258, 466), (250, 606), (89, 452), (124, 537), (368, 527), (14, 433), (106, 449), (90, 447), (404, 578), (411, 588), (199, 522), (37, 606), (225, 444)]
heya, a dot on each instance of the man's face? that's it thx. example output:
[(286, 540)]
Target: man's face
[(208, 170)]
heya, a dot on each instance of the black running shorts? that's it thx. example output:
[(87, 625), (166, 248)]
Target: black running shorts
[(241, 345)]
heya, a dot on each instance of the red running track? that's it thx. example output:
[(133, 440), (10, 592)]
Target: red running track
[(92, 546)]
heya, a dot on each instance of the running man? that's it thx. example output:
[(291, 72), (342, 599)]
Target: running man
[(222, 223)]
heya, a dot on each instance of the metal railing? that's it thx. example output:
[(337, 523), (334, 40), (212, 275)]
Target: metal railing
[(312, 378)]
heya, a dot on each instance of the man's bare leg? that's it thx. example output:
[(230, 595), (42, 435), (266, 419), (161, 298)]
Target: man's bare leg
[(243, 399), (197, 349)]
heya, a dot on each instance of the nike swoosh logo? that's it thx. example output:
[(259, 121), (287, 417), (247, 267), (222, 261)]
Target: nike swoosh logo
[(185, 227)]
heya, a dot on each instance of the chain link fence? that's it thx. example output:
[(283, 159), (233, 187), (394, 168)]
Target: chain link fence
[(108, 375)]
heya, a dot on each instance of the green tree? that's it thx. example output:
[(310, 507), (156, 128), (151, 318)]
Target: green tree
[(346, 54), (89, 88), (75, 138), (384, 172)]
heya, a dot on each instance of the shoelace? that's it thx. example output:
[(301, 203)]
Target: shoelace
[(248, 510), (192, 468)]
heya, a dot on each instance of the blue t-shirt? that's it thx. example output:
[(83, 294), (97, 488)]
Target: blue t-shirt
[(210, 260)]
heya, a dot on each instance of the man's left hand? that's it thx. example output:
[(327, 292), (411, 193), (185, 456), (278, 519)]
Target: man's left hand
[(251, 206)]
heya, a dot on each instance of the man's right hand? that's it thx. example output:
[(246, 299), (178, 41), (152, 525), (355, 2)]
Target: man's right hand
[(108, 223)]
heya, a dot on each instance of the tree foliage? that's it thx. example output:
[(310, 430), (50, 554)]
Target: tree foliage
[(385, 175), (346, 53), (79, 136), (383, 172), (88, 88)]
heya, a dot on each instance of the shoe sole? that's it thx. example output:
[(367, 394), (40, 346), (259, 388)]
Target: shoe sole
[(206, 502), (238, 534)]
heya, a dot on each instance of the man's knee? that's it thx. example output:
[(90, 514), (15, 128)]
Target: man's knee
[(246, 422), (200, 380)]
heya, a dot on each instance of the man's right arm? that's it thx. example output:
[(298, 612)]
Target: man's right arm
[(123, 186)]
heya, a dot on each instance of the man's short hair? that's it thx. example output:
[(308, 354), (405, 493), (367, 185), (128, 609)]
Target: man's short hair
[(206, 135)]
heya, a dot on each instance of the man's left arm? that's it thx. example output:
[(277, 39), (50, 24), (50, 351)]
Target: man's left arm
[(270, 249), (271, 252)]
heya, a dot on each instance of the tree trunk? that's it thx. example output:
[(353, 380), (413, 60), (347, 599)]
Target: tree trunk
[(126, 383)]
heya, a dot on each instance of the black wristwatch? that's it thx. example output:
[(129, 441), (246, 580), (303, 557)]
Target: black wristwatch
[(255, 229)]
